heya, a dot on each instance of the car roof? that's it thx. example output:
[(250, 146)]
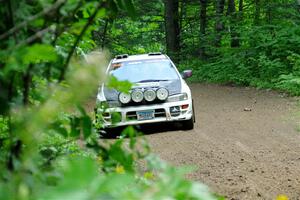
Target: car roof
[(150, 56)]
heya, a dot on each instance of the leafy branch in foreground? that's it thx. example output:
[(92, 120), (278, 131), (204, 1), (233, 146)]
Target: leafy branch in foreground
[(79, 37), (49, 147), (100, 166), (21, 25)]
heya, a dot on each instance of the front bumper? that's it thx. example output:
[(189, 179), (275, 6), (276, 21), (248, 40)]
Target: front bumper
[(163, 112)]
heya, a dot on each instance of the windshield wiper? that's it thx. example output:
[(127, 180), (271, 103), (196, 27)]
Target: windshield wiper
[(152, 80)]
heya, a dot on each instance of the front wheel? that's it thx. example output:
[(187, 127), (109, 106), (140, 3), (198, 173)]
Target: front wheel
[(188, 124)]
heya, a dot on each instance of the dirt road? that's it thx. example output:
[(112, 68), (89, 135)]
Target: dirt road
[(239, 154)]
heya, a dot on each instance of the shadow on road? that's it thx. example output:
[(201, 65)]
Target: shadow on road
[(146, 129), (159, 128)]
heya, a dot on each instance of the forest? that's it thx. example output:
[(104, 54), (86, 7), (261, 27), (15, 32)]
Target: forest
[(48, 71), (230, 42)]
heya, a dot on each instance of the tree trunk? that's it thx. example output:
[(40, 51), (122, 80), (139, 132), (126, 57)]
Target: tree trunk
[(203, 23), (268, 12), (257, 12), (103, 37), (182, 12), (172, 29), (27, 78), (11, 16), (241, 9), (6, 83), (219, 24), (233, 24)]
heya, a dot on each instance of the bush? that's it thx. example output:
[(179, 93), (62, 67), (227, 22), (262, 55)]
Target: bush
[(54, 152), (270, 60)]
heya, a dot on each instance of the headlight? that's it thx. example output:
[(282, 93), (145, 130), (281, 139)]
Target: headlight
[(178, 97), (137, 96), (124, 98), (149, 95), (162, 94)]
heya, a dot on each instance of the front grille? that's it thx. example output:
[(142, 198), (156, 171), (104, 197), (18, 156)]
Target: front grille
[(160, 113), (131, 115), (157, 113), (144, 102), (175, 111)]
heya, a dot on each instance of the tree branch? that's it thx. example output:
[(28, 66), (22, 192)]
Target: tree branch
[(59, 29), (88, 23), (34, 37), (16, 28)]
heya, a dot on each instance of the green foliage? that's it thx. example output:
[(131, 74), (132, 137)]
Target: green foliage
[(46, 54), (122, 86), (266, 57), (4, 135), (49, 146), (3, 126), (289, 83), (68, 146), (135, 35), (272, 63)]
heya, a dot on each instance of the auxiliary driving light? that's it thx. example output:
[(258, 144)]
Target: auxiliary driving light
[(124, 98), (162, 94), (137, 96), (149, 95)]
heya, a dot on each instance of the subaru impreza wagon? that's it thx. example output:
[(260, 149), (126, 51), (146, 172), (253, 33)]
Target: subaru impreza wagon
[(159, 93)]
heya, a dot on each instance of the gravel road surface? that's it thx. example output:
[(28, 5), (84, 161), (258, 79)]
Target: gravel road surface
[(245, 143)]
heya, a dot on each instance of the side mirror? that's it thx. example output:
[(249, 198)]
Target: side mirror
[(186, 73)]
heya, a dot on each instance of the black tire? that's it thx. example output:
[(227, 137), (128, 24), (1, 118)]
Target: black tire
[(107, 133), (188, 124)]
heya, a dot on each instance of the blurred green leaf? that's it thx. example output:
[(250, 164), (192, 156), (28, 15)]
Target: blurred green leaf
[(86, 126), (121, 86), (38, 53), (75, 126), (57, 126), (124, 158)]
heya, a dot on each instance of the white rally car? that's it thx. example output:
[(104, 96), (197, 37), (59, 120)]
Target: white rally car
[(159, 93)]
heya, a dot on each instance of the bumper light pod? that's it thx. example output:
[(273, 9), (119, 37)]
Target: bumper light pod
[(124, 98), (162, 94), (137, 96), (150, 95)]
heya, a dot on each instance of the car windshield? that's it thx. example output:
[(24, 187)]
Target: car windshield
[(144, 71)]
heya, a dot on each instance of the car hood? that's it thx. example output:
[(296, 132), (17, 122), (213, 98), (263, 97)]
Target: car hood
[(174, 87)]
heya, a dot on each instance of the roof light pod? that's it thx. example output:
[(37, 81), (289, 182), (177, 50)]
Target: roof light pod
[(162, 94), (154, 53), (137, 96), (124, 98), (150, 95), (121, 56)]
